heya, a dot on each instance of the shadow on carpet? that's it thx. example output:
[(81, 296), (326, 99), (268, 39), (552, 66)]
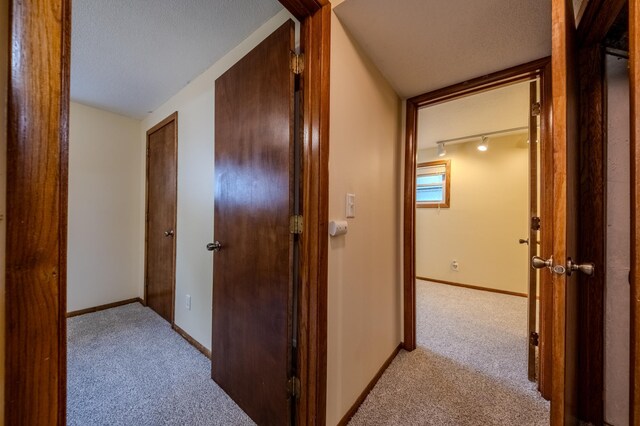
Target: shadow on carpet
[(126, 366)]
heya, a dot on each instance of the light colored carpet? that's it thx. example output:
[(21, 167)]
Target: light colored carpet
[(470, 367), (126, 366)]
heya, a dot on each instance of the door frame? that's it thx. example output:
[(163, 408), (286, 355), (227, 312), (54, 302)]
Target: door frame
[(171, 118), (634, 80), (598, 17), (37, 182), (538, 68)]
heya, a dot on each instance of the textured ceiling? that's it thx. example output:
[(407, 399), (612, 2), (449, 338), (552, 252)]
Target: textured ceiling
[(130, 56), (495, 110), (422, 45)]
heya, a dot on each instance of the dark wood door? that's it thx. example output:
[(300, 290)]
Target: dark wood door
[(160, 269), (252, 280), (565, 138)]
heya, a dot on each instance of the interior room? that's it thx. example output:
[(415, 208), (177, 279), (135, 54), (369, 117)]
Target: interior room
[(147, 358), (424, 172), (473, 209)]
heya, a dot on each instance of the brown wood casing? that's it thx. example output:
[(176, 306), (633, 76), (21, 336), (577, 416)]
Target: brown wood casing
[(37, 176), (312, 313), (592, 233), (634, 91)]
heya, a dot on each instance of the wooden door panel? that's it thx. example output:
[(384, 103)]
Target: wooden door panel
[(251, 339), (565, 136), (161, 217)]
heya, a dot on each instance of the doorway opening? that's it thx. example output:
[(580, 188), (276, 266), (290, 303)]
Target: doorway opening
[(474, 197)]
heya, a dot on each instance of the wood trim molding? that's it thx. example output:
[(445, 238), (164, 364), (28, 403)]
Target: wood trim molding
[(303, 9), (358, 402), (546, 236), (634, 92), (103, 307), (480, 84), (473, 287), (315, 34), (37, 187), (592, 228), (515, 74), (597, 19), (193, 342)]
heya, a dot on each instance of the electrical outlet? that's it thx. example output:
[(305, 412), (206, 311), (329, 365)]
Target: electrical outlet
[(455, 266), (188, 302)]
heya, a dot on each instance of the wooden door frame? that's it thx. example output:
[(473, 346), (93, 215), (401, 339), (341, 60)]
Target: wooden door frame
[(597, 19), (634, 87), (538, 68), (171, 118), (37, 182)]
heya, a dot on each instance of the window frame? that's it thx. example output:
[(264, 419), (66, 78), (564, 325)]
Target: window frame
[(446, 187)]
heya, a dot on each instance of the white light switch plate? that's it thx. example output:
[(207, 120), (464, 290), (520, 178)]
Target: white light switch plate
[(351, 205)]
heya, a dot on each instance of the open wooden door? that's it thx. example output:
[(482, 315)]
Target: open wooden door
[(565, 215), (253, 264)]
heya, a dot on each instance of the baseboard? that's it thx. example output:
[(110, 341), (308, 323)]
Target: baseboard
[(356, 405), (473, 287), (206, 352), (103, 307)]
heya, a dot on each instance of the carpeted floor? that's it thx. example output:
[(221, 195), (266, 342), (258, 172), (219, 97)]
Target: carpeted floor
[(470, 367), (126, 366)]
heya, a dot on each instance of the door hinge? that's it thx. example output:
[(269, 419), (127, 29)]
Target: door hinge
[(297, 63), (293, 387), (535, 223), (295, 224), (534, 339), (536, 109)]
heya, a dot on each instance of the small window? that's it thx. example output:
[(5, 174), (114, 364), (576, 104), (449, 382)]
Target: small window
[(432, 184)]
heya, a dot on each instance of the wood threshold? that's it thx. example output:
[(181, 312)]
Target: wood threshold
[(356, 405), (473, 287), (104, 307), (186, 336)]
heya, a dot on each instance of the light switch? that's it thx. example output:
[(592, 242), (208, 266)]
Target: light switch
[(351, 205)]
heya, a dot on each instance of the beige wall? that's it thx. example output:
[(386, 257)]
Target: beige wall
[(617, 296), (364, 276), (194, 265), (4, 56), (487, 215), (105, 252)]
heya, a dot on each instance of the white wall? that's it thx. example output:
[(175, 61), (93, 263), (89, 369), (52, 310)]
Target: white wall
[(4, 66), (617, 291), (105, 251), (488, 213), (364, 274), (194, 265)]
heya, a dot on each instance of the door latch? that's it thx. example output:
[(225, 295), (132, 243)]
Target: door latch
[(215, 246)]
